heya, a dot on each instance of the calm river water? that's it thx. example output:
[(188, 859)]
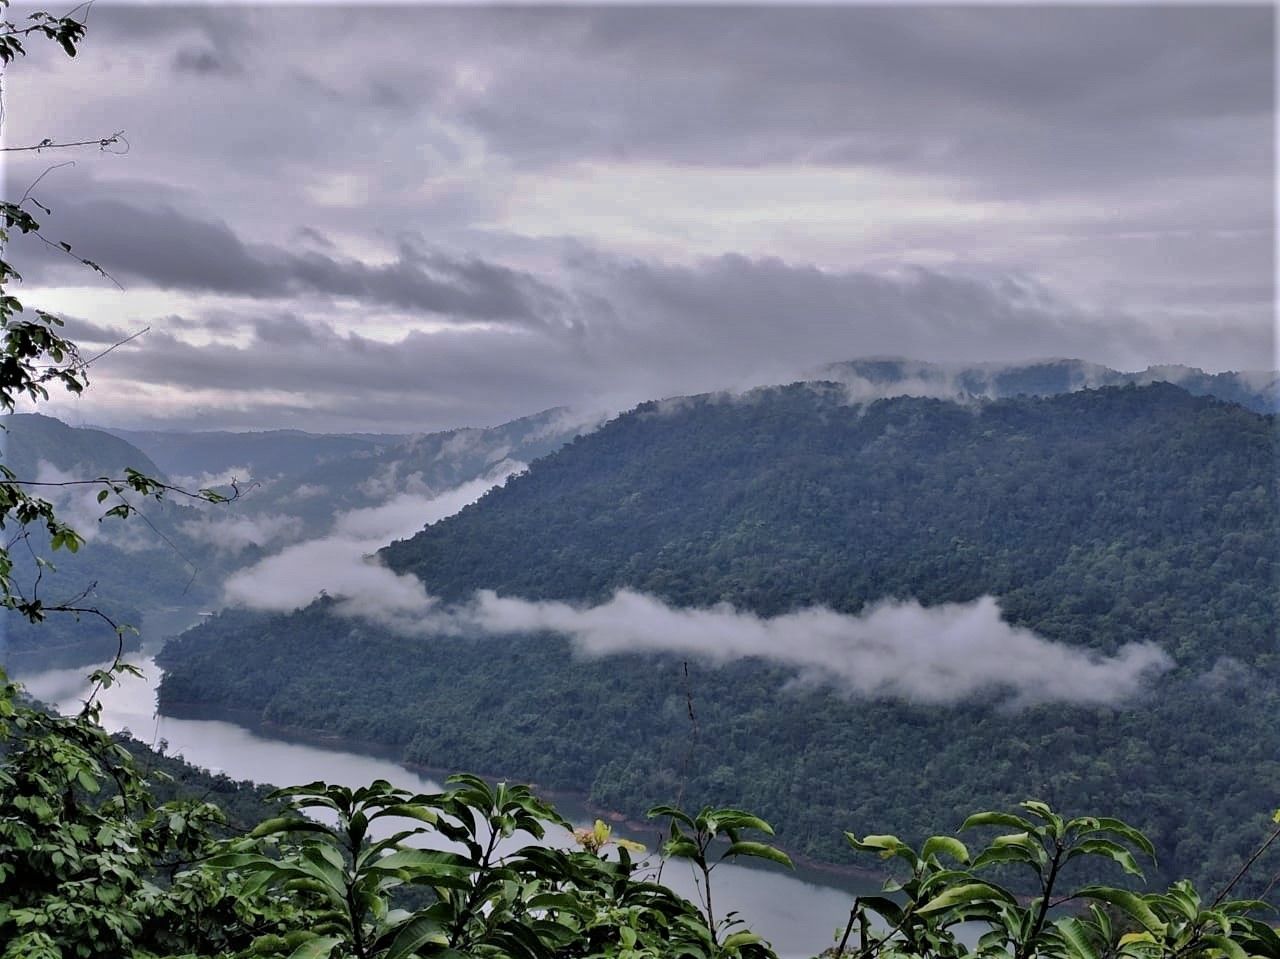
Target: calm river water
[(799, 913)]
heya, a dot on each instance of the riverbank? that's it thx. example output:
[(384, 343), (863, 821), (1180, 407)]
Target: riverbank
[(799, 912), (839, 875)]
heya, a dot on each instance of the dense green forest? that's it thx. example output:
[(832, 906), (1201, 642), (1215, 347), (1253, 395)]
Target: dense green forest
[(292, 486), (1098, 518), (110, 850), (123, 569)]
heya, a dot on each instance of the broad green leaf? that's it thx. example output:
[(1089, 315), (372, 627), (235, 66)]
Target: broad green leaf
[(315, 948), (740, 939), (951, 846), (942, 879), (886, 846), (1077, 939), (998, 819), (1127, 832), (1022, 839), (287, 824), (562, 901), (1243, 905), (1109, 849), (969, 892), (1227, 945), (427, 866), (415, 934), (1130, 902), (738, 819), (1002, 854), (681, 849), (759, 850), (886, 907), (671, 811), (1131, 937)]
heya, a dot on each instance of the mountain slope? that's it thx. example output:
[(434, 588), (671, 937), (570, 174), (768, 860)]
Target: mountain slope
[(125, 569), (262, 454), (1097, 518), (796, 498), (425, 465)]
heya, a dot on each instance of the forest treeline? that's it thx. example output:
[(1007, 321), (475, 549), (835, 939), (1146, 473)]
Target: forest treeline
[(1097, 518)]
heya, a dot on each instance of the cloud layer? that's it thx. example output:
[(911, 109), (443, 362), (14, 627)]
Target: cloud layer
[(937, 654), (894, 649), (592, 207), (341, 562)]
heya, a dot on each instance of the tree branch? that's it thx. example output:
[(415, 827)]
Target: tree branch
[(49, 144)]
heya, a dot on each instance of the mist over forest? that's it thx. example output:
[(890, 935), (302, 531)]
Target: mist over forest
[(573, 451)]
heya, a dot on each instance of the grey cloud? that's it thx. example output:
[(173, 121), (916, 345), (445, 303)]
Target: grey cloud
[(466, 287), (314, 236), (154, 242), (939, 654), (163, 246), (203, 62), (339, 561), (639, 330), (929, 87), (1122, 154)]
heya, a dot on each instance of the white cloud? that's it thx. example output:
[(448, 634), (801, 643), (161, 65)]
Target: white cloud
[(340, 562), (894, 649), (232, 534), (241, 475), (935, 654)]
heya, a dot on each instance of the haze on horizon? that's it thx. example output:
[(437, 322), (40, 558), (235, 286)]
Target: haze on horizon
[(444, 216)]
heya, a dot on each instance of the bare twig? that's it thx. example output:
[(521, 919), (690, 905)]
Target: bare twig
[(84, 364), (48, 144), (236, 491), (1275, 834), (26, 194)]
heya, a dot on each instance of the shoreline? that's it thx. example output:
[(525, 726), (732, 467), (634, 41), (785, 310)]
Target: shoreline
[(253, 722)]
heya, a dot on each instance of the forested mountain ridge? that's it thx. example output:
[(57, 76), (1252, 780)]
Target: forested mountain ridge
[(423, 464), (1258, 390), (292, 487), (123, 569), (793, 498), (30, 439), (261, 453), (1097, 518)]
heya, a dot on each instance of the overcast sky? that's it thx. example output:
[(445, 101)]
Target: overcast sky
[(414, 218)]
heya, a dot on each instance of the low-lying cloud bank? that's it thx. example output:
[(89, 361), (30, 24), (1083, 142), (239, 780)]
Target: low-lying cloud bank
[(894, 649), (341, 562), (239, 532), (934, 654)]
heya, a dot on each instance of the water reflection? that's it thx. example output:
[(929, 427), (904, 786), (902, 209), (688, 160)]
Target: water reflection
[(799, 913)]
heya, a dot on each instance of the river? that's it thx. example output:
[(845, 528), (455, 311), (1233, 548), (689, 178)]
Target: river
[(800, 912)]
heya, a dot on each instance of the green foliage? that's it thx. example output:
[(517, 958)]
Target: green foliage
[(531, 903), (693, 838), (91, 865), (928, 909), (1097, 518)]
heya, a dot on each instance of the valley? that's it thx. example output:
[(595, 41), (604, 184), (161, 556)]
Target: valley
[(565, 627)]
